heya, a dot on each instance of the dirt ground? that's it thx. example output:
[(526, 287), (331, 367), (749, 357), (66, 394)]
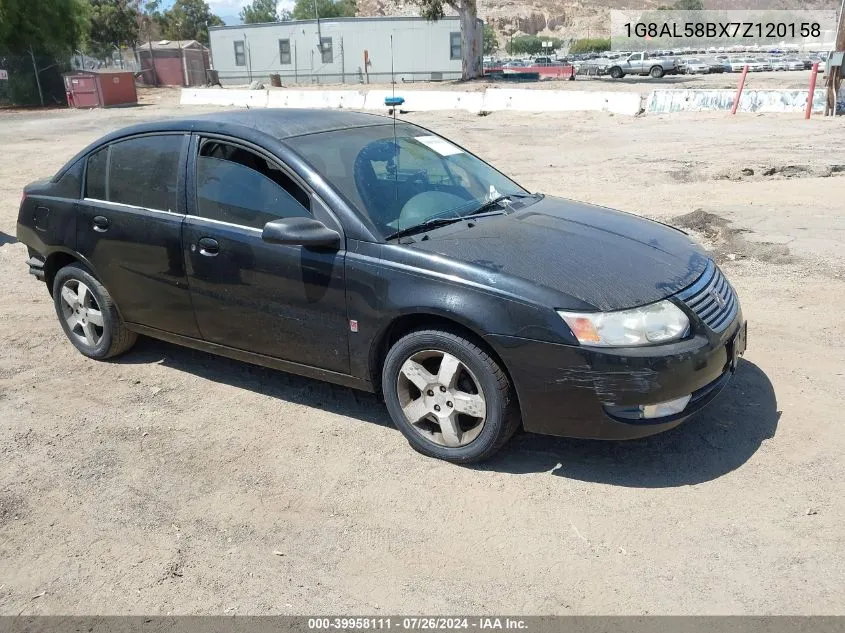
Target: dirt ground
[(171, 481)]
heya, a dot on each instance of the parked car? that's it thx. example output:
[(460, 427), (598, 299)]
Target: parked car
[(794, 64), (642, 64), (736, 65), (779, 64), (693, 66), (514, 66), (378, 255), (717, 67)]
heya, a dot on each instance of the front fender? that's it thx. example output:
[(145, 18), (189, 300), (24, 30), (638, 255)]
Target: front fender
[(380, 292)]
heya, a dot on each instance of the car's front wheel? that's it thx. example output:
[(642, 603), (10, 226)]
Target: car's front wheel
[(88, 314), (448, 396)]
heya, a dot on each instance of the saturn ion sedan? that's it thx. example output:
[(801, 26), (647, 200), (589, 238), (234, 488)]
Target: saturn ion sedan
[(379, 255)]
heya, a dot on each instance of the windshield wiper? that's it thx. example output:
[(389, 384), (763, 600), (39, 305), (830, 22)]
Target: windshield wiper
[(481, 211), (499, 200), (423, 226)]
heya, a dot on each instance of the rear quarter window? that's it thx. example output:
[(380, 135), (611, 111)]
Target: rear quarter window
[(95, 177), (70, 184)]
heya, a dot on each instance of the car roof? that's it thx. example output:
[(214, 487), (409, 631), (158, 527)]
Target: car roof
[(279, 123)]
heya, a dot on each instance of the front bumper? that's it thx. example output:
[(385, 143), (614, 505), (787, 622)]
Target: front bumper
[(571, 391)]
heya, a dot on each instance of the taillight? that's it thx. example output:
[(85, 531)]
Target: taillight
[(23, 198)]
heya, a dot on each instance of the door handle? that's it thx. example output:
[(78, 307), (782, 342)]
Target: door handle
[(101, 223), (208, 247)]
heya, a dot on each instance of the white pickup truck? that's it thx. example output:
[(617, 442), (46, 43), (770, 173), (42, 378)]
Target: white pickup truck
[(642, 64)]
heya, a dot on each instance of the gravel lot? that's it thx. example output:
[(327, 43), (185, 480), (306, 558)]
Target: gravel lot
[(171, 481)]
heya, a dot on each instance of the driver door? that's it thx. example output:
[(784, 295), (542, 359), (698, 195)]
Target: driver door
[(634, 63), (284, 301)]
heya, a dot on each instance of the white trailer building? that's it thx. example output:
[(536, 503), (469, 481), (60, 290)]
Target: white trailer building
[(340, 50)]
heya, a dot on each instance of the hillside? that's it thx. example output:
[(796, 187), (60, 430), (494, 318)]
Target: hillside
[(570, 19)]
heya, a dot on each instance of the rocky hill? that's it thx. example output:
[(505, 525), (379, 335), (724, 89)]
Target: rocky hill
[(570, 19)]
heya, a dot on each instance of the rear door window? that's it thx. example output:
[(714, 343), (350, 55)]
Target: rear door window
[(139, 172)]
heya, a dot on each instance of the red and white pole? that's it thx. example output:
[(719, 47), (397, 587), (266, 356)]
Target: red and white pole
[(739, 88), (815, 73)]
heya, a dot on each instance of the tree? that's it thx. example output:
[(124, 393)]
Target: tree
[(471, 44), (259, 11), (590, 45), (150, 21), (114, 23), (684, 5), (491, 42), (304, 9), (42, 27), (531, 44), (189, 20)]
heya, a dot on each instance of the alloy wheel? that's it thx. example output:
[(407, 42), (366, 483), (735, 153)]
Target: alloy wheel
[(441, 398), (81, 312)]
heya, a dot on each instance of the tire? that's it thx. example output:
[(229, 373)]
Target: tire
[(98, 330), (616, 73), (478, 438), (656, 72)]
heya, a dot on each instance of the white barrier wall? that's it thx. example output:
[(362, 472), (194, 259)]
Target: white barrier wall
[(317, 99), (518, 99), (427, 100), (661, 101), (526, 100), (219, 97)]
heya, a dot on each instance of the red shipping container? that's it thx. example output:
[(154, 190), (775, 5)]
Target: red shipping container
[(100, 88)]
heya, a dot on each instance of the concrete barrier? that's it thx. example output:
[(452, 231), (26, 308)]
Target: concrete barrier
[(662, 101), (427, 100), (526, 100), (317, 99), (224, 97)]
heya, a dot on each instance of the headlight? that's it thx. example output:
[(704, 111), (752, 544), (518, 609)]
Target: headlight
[(656, 323)]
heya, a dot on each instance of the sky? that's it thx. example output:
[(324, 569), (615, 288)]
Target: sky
[(228, 9)]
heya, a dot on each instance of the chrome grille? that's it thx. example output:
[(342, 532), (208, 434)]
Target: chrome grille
[(712, 298)]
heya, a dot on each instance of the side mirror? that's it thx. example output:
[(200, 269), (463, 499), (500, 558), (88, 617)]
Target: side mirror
[(300, 232)]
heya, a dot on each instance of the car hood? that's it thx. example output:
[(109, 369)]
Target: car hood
[(608, 259)]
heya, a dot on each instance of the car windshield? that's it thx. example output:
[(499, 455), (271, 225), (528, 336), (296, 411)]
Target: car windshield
[(403, 181)]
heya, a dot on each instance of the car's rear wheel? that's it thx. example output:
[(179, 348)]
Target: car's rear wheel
[(656, 72), (448, 396), (88, 314)]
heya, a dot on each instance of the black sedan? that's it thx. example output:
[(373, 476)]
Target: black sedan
[(379, 255)]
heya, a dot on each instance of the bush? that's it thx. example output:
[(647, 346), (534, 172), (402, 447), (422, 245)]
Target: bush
[(590, 45), (531, 45), (22, 90)]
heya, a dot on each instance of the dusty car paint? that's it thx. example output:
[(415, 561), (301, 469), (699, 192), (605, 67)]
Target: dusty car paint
[(290, 307)]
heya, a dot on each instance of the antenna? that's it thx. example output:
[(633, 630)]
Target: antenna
[(393, 102)]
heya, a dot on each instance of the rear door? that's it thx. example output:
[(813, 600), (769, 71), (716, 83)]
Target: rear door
[(284, 301), (130, 228)]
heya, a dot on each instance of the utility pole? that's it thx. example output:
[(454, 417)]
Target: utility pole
[(319, 34), (248, 58)]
